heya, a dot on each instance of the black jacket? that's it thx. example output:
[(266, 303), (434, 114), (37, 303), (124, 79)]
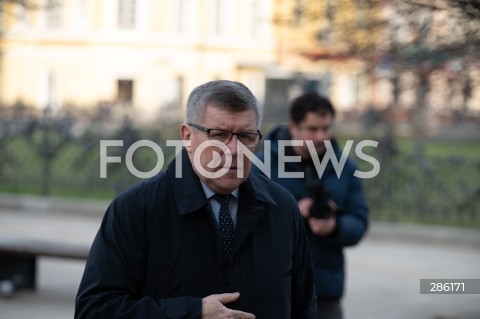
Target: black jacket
[(352, 215), (157, 253)]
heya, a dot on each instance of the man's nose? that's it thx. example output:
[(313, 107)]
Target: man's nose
[(232, 144), (320, 135)]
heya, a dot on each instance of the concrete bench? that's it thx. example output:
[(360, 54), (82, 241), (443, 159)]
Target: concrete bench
[(18, 258)]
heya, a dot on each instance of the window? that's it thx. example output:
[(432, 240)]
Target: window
[(253, 14), (49, 93), (53, 14), (53, 90), (298, 12), (172, 96), (80, 19), (20, 16), (224, 16), (126, 14), (185, 15), (125, 91)]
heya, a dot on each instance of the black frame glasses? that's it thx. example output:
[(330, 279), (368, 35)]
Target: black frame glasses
[(248, 139)]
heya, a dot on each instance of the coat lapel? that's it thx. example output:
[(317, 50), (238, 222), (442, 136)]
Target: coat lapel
[(252, 207), (189, 197), (187, 190)]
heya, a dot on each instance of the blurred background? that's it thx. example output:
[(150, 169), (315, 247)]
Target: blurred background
[(405, 73)]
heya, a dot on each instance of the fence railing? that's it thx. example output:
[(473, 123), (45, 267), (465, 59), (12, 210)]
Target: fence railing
[(438, 190), (48, 153)]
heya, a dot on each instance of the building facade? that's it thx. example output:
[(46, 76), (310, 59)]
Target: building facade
[(147, 54)]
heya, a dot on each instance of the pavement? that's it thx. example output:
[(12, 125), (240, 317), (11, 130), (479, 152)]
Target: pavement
[(383, 272)]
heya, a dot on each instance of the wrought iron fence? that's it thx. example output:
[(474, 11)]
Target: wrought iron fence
[(438, 190), (58, 153), (48, 153)]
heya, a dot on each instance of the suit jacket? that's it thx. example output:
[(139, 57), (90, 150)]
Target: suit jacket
[(157, 253)]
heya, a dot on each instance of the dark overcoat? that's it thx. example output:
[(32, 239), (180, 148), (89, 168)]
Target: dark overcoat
[(157, 253)]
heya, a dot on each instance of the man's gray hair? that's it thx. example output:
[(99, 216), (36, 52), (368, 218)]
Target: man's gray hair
[(233, 96)]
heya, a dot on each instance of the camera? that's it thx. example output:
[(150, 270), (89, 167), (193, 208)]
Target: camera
[(320, 207)]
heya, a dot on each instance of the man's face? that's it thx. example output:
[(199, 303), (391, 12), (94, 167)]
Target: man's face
[(212, 159), (314, 127)]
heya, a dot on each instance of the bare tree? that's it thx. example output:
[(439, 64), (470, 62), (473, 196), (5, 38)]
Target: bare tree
[(420, 36)]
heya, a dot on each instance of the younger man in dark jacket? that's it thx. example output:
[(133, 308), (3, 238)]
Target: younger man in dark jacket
[(338, 217)]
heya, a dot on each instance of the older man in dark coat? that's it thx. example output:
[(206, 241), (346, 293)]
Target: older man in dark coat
[(208, 244)]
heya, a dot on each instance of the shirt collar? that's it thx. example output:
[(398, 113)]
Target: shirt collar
[(209, 192), (186, 189)]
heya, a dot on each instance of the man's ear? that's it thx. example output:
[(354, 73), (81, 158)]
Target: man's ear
[(186, 133), (293, 128)]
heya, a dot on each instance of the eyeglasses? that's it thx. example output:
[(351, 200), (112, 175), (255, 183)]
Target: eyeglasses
[(247, 139)]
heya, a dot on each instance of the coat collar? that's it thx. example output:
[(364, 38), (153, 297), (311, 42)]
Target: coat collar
[(283, 133), (188, 192)]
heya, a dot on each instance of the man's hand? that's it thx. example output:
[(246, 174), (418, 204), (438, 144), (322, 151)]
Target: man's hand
[(304, 206), (213, 307), (324, 227)]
